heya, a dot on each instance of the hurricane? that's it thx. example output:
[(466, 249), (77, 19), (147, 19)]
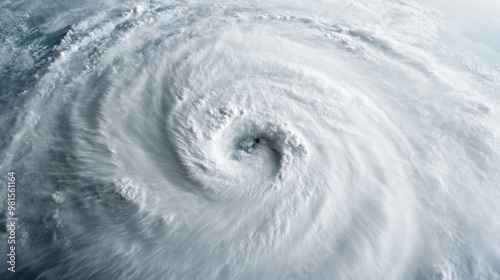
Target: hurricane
[(251, 139)]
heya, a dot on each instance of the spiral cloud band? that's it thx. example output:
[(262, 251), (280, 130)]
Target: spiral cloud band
[(252, 139)]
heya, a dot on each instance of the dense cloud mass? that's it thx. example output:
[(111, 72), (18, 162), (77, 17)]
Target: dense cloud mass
[(251, 139)]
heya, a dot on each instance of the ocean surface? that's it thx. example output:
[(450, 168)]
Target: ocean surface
[(251, 139)]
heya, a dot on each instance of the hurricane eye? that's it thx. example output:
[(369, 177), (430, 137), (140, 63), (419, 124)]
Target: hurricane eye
[(249, 144)]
